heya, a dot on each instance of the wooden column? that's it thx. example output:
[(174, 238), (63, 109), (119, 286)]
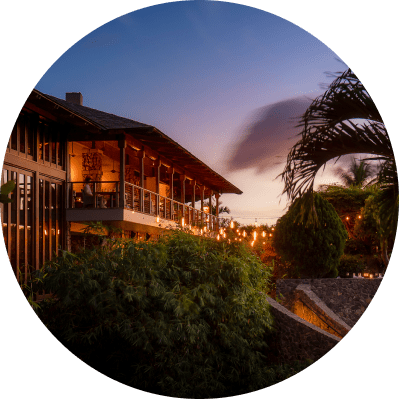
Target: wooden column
[(141, 156), (210, 209), (193, 183), (183, 192), (122, 146), (217, 195), (171, 172), (202, 189), (157, 180)]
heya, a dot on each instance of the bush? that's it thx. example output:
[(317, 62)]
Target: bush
[(314, 250), (183, 317), (350, 264), (357, 247)]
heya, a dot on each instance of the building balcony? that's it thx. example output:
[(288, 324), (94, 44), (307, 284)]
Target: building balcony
[(134, 208)]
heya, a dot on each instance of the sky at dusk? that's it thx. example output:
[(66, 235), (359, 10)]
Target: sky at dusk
[(205, 73)]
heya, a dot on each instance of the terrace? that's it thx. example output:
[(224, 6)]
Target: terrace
[(143, 194)]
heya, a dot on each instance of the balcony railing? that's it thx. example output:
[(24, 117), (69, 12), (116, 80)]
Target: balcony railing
[(107, 194)]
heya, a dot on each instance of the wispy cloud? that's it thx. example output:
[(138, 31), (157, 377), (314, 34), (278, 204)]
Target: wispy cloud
[(268, 135)]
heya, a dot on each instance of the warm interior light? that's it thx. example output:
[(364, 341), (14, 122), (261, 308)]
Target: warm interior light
[(347, 218), (254, 235), (359, 216), (252, 243), (224, 235), (263, 234), (182, 222), (232, 224), (157, 219), (272, 228), (218, 237), (270, 235), (244, 234), (204, 228)]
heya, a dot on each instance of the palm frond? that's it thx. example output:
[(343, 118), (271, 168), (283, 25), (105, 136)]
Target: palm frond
[(342, 121)]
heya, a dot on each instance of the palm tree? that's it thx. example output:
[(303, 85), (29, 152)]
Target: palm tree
[(358, 173), (344, 120)]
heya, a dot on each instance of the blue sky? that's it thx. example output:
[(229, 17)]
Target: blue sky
[(199, 71)]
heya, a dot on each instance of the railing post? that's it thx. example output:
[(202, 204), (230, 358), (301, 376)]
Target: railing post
[(183, 192), (157, 180), (171, 173), (217, 195), (122, 146), (141, 156), (95, 194)]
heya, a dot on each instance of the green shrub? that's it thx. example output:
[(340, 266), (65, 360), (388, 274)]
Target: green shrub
[(183, 317), (350, 264), (314, 250), (355, 246)]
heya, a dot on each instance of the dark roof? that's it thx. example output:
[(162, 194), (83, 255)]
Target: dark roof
[(101, 122)]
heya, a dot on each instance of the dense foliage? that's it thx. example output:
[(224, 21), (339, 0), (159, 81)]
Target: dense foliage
[(350, 264), (313, 250), (184, 316)]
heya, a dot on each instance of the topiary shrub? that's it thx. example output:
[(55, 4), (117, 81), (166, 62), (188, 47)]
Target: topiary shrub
[(314, 249), (183, 317), (350, 264)]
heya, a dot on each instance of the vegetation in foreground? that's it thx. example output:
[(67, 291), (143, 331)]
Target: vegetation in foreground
[(313, 250), (185, 316)]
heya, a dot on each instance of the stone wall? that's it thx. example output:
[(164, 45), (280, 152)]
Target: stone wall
[(348, 298), (296, 339)]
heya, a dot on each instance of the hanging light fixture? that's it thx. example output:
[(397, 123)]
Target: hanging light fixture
[(72, 155), (113, 167)]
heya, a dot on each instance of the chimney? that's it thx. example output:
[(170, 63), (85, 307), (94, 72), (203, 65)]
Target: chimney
[(75, 98)]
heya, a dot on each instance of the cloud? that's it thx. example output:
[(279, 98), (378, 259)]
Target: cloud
[(268, 135)]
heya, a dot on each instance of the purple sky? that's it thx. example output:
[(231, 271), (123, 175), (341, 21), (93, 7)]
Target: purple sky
[(203, 73)]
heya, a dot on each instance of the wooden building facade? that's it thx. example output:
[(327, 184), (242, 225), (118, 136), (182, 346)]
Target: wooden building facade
[(142, 181)]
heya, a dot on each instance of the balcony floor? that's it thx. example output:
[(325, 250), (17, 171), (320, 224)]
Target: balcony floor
[(121, 218)]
